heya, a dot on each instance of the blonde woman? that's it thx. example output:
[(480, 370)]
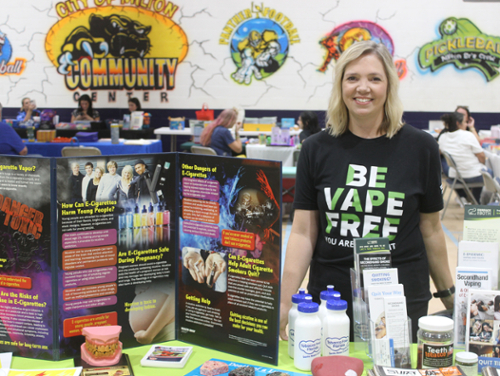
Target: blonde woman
[(94, 184), (121, 191), (367, 175)]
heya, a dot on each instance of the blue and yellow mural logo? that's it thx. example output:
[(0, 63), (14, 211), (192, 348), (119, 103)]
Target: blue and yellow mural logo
[(6, 67), (259, 39), (117, 47), (463, 45), (343, 36)]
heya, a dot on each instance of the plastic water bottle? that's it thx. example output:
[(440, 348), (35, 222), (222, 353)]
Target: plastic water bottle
[(292, 316), (115, 133), (307, 335), (325, 296), (335, 339)]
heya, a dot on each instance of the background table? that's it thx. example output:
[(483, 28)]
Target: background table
[(272, 153), (53, 149), (166, 131)]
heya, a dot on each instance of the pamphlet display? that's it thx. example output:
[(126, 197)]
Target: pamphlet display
[(127, 256)]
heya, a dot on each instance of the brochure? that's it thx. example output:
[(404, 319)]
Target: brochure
[(387, 371), (169, 246), (167, 356), (249, 368), (467, 278), (479, 254), (482, 224), (483, 326)]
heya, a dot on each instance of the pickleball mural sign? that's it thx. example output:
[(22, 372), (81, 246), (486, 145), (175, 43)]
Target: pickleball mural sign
[(463, 45), (108, 47)]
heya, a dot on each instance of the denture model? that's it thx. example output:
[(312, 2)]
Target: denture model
[(102, 347)]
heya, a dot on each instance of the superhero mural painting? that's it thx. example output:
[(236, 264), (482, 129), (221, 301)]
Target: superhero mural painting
[(343, 36), (259, 47)]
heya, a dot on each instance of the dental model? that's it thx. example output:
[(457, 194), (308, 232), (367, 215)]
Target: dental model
[(102, 347)]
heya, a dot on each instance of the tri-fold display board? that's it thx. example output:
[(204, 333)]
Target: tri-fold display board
[(169, 246)]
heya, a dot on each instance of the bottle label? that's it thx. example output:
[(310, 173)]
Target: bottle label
[(310, 348), (337, 345), (435, 356), (291, 336)]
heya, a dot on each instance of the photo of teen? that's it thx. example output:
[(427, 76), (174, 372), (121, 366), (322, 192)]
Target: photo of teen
[(481, 331), (482, 308), (204, 269)]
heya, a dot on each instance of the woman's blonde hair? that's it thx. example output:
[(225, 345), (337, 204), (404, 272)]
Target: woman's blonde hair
[(102, 173), (129, 169), (337, 115)]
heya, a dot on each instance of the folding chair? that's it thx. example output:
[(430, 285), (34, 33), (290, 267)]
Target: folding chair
[(491, 185), (196, 149), (457, 182), (79, 151)]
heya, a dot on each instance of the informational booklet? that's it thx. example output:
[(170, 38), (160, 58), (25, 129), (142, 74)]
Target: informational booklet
[(467, 278), (483, 326), (388, 371), (382, 349), (168, 246), (398, 331), (167, 356), (479, 254), (371, 253), (482, 224), (373, 277)]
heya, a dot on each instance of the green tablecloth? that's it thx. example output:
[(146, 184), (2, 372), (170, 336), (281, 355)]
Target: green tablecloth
[(198, 357)]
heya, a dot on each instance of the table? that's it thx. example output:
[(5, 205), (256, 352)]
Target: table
[(166, 131), (197, 358), (272, 153), (53, 149)]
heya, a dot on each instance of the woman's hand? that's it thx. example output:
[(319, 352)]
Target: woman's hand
[(284, 308), (471, 123), (220, 266), (194, 263)]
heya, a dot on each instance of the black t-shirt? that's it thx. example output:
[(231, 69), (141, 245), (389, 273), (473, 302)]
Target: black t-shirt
[(369, 188)]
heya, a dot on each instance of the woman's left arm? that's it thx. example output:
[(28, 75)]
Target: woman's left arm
[(437, 254)]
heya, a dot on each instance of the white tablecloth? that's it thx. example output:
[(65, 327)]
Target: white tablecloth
[(272, 153)]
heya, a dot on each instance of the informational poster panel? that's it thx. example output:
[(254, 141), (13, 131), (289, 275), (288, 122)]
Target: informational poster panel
[(230, 255), (169, 246), (26, 305)]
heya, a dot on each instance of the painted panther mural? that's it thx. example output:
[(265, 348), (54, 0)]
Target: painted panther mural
[(114, 35)]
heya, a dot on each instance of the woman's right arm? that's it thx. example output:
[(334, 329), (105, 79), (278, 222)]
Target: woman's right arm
[(298, 257)]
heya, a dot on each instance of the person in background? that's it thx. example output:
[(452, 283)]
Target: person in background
[(27, 111), (85, 110), (367, 145), (469, 120), (94, 184), (75, 183), (10, 142), (217, 135), (308, 122), (465, 150), (89, 169), (134, 105), (108, 182)]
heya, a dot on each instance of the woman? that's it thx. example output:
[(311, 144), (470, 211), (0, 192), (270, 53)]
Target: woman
[(121, 191), (218, 136), (108, 182), (308, 122), (27, 111), (486, 332), (85, 110), (496, 314), (134, 105), (368, 175), (496, 351), (94, 184), (469, 120), (465, 151)]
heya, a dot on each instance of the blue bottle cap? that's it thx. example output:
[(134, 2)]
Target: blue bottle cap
[(308, 306), (336, 305), (300, 297), (328, 293)]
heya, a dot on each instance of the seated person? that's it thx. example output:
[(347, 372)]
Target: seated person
[(308, 122), (27, 111), (217, 135), (134, 105), (85, 110), (10, 142), (465, 151), (469, 120)]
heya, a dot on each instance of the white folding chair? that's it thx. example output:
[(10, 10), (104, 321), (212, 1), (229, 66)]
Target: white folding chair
[(457, 182), (196, 149), (80, 151), (491, 185)]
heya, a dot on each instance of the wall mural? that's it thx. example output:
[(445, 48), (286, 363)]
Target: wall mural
[(15, 67), (259, 38), (343, 36), (118, 47), (463, 45)]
